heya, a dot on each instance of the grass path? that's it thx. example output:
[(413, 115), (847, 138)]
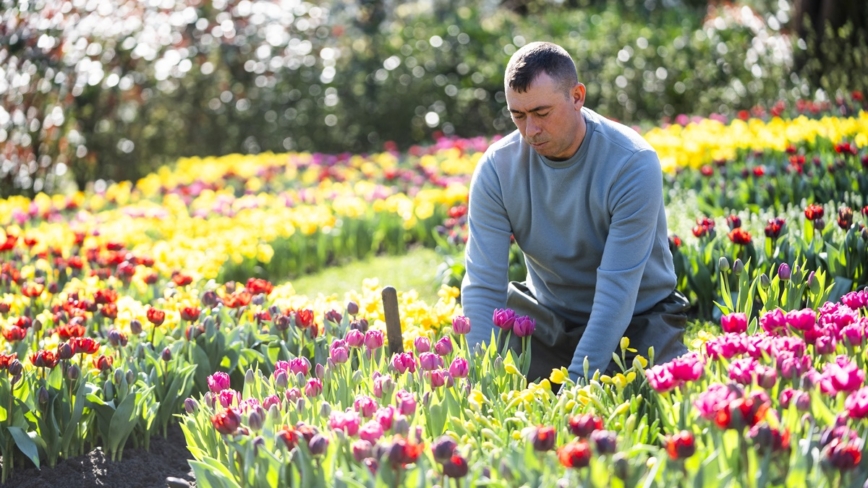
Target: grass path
[(415, 270)]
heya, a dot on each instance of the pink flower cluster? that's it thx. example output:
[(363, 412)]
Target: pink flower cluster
[(666, 376)]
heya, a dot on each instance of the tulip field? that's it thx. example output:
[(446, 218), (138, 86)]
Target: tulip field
[(134, 307)]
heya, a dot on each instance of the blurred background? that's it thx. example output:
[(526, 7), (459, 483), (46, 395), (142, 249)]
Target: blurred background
[(105, 90)]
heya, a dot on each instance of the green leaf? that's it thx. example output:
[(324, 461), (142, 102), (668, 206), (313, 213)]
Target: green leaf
[(123, 421), (25, 443), (207, 474)]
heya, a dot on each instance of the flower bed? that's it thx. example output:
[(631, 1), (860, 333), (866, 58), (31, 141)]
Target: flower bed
[(126, 311)]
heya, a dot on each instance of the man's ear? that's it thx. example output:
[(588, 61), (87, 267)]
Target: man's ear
[(578, 96)]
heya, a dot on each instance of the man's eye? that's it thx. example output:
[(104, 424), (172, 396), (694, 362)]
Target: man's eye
[(517, 116), (542, 115)]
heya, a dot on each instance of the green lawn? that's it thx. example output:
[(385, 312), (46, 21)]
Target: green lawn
[(415, 270)]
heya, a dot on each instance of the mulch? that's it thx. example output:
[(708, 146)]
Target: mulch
[(166, 459)]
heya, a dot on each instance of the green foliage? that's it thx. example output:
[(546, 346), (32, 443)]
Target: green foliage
[(344, 77)]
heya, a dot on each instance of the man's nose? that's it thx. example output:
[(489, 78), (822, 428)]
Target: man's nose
[(533, 128)]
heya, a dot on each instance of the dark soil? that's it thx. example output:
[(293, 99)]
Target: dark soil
[(138, 469)]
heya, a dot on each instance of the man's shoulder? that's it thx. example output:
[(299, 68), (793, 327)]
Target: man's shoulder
[(616, 134)]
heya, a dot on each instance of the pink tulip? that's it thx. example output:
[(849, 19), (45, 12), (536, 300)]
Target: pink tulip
[(726, 346), (422, 344), (270, 400), (365, 405), (856, 299), (404, 362), (686, 368), (385, 416), (439, 377), (504, 318), (459, 368), (340, 355), (218, 382), (524, 326), (313, 388), (374, 339), (842, 375), (355, 338), (774, 322), (716, 397), (406, 402), (228, 397), (743, 370), (371, 431), (460, 325), (803, 320), (299, 365), (348, 421), (660, 378), (854, 334), (430, 361), (735, 323), (857, 404), (443, 346), (825, 344)]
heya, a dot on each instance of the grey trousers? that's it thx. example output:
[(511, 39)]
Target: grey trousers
[(556, 337)]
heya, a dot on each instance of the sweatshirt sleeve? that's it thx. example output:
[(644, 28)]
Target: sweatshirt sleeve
[(487, 253), (635, 200)]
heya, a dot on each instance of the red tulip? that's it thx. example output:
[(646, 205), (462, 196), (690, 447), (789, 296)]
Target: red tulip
[(814, 212), (227, 421), (585, 424), (739, 236), (190, 314), (576, 454), (258, 285), (681, 445), (14, 334), (156, 317), (181, 279)]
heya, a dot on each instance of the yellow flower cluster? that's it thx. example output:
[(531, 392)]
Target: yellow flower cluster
[(697, 144)]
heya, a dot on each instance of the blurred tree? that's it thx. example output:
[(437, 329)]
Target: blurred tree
[(835, 32)]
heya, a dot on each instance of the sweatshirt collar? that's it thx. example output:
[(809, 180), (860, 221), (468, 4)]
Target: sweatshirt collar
[(590, 126)]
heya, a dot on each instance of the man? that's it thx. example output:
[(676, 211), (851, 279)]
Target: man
[(583, 198)]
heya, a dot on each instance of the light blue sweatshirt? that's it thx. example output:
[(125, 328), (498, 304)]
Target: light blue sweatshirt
[(592, 229)]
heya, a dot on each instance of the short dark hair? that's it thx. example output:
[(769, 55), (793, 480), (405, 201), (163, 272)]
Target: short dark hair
[(540, 57)]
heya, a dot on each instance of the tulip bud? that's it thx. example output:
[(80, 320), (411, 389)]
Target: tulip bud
[(543, 438), (319, 370), (15, 367), (108, 390), (282, 322), (258, 443), (764, 281), (118, 376), (166, 355), (361, 449), (191, 406), (443, 448), (784, 272), (400, 425), (318, 445), (254, 420), (813, 283), (797, 273), (274, 310), (622, 466), (42, 395), (249, 376), (723, 263), (64, 351), (258, 299), (325, 409), (274, 413), (210, 299), (135, 327), (819, 224), (37, 325), (737, 267), (131, 377), (358, 377), (73, 372), (352, 308), (280, 380)]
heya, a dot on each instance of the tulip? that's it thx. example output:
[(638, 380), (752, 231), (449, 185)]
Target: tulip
[(459, 368), (191, 406), (575, 454), (681, 445), (660, 378), (405, 402), (340, 355), (228, 397), (166, 355), (352, 308), (226, 422), (313, 387), (355, 338), (443, 347), (372, 431), (455, 467), (374, 339), (734, 323), (403, 452), (365, 405), (430, 361), (605, 441), (443, 448), (218, 382), (421, 344), (156, 317), (543, 438), (460, 325), (289, 436), (784, 272), (842, 456), (404, 362), (504, 318), (584, 425), (524, 326), (362, 449), (856, 404)]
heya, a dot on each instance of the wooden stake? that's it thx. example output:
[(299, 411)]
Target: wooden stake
[(393, 320)]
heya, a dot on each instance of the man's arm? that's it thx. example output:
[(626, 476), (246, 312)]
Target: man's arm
[(486, 255), (635, 202)]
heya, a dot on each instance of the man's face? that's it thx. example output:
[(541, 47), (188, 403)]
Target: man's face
[(549, 119)]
